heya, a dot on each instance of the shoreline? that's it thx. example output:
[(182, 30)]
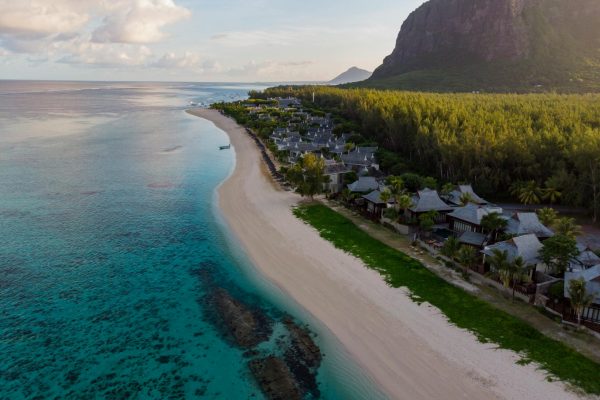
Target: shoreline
[(409, 350)]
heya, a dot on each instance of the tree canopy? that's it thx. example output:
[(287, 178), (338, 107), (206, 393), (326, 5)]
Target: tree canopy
[(490, 140)]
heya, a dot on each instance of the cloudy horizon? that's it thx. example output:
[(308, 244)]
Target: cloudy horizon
[(185, 40)]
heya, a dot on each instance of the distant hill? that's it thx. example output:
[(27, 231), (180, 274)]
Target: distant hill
[(352, 75), (496, 45)]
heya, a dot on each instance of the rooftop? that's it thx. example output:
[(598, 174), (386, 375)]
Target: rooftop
[(428, 200), (364, 184), (526, 223), (473, 213), (473, 238), (526, 246), (455, 195)]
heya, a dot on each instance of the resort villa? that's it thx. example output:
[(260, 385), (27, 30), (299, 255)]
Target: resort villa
[(427, 200), (462, 194), (527, 247), (375, 205), (527, 223), (364, 184)]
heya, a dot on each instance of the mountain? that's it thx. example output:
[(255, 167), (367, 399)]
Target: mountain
[(496, 45), (352, 75)]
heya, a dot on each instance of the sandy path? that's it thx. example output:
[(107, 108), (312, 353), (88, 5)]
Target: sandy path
[(411, 351)]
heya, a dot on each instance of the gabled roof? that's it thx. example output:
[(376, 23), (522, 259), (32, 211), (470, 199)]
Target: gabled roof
[(374, 197), (336, 168), (357, 157), (527, 246), (364, 184), (473, 213), (455, 195), (592, 278), (428, 200), (586, 259), (366, 150), (526, 223), (591, 274), (473, 238)]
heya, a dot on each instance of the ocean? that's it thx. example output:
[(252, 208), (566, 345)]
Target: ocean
[(112, 246)]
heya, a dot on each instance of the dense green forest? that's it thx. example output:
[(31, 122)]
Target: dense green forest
[(490, 140)]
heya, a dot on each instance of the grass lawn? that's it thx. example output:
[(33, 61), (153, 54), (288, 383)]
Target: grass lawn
[(488, 323)]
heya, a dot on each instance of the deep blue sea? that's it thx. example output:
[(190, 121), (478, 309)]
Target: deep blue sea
[(111, 241)]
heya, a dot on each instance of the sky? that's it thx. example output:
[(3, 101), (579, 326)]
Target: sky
[(196, 40)]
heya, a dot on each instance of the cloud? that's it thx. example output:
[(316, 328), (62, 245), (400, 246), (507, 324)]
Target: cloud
[(104, 55), (270, 69), (43, 26), (41, 18), (139, 21), (88, 32), (171, 60), (256, 38)]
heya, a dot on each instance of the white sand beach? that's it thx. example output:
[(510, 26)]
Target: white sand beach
[(410, 350)]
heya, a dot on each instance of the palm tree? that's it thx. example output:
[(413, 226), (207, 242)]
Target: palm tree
[(518, 271), (396, 187), (427, 220), (403, 202), (493, 223), (499, 262), (385, 195), (447, 189), (547, 216), (530, 193), (579, 296), (551, 194), (516, 187), (467, 257), (451, 247), (346, 195), (430, 183), (567, 227), (553, 190), (466, 198)]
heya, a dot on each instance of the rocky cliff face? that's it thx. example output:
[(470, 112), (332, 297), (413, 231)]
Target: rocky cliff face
[(449, 34)]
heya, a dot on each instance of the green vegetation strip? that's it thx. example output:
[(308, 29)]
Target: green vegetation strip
[(466, 311)]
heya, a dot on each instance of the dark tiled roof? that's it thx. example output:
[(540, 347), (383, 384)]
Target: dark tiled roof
[(525, 223), (473, 238), (374, 197), (364, 184), (526, 246), (455, 195), (473, 213), (428, 200)]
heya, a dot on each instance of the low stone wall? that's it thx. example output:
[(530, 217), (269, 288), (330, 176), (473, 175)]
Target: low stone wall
[(400, 228)]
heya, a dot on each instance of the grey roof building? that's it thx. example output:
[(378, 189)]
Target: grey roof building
[(527, 223), (474, 239), (359, 158), (428, 200), (364, 184), (374, 197), (455, 196), (527, 246), (289, 102), (586, 259), (591, 276), (473, 213)]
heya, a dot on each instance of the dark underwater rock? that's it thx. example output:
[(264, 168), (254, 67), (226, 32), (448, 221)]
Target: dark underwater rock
[(275, 379), (303, 357), (246, 326)]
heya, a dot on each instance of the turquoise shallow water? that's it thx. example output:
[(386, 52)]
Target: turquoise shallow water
[(111, 242)]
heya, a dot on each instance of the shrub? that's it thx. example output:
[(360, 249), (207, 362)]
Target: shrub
[(557, 290)]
